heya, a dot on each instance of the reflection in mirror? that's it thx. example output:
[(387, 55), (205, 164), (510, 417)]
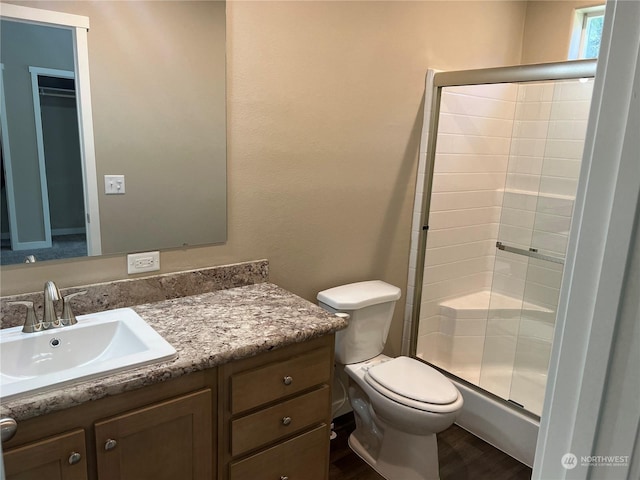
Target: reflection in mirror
[(158, 114), (43, 212)]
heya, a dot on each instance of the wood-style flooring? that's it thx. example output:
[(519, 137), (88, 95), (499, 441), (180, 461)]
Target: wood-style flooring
[(462, 456)]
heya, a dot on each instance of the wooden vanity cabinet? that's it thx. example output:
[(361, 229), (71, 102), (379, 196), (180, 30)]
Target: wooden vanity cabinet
[(264, 417), (164, 431), (275, 413), (164, 441), (62, 457)]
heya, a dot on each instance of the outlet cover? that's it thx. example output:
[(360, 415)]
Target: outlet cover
[(143, 262)]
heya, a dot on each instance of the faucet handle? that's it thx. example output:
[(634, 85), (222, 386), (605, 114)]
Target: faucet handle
[(31, 323), (68, 317)]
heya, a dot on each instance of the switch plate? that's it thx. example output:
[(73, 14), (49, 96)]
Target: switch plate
[(114, 184), (143, 262)]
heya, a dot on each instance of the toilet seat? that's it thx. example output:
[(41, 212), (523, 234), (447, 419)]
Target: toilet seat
[(414, 384)]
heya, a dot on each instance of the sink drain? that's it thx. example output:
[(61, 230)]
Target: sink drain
[(55, 342)]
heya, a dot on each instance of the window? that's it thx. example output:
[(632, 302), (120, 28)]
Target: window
[(587, 33)]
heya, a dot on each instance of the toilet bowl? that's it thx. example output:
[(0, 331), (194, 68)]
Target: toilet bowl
[(399, 404), (396, 421)]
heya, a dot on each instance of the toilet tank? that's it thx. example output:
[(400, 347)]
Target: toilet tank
[(370, 307)]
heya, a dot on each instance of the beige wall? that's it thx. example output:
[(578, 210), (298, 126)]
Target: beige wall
[(547, 32), (324, 119)]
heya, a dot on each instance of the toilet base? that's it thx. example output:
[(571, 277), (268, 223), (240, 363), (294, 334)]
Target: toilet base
[(414, 458)]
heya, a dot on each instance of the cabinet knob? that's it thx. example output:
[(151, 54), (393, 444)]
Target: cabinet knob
[(8, 427), (287, 380), (284, 477), (110, 444), (286, 421), (74, 458)]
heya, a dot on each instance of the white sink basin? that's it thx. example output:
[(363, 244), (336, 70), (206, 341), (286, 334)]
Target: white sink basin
[(99, 344)]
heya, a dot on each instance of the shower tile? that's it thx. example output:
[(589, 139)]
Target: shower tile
[(457, 286), (499, 351), (515, 236), (438, 273), (454, 253), (456, 182), (560, 167), (470, 163), (463, 124), (443, 201), (559, 186), (539, 294), (550, 242), (517, 218), (564, 148), (429, 325), (504, 91), (556, 206), (535, 92), (533, 147), (512, 267), (464, 217), (525, 164), (520, 181), (468, 327), (536, 129), (573, 90), (571, 110), (466, 352), (544, 276), (533, 111), (475, 105), (508, 285), (535, 328), (552, 223), (471, 233), (520, 200), (500, 326)]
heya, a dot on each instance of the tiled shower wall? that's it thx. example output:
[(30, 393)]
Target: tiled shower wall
[(472, 156), (499, 142)]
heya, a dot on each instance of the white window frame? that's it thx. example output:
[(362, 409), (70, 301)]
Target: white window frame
[(578, 34)]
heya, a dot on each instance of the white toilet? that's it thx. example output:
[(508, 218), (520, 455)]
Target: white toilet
[(399, 403)]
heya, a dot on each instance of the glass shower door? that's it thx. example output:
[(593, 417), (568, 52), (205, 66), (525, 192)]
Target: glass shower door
[(544, 164)]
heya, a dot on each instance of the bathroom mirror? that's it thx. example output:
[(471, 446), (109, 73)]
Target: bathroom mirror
[(157, 91)]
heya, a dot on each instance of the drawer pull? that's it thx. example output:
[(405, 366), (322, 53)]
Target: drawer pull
[(287, 380), (110, 444), (284, 477), (74, 458), (286, 421), (8, 427)]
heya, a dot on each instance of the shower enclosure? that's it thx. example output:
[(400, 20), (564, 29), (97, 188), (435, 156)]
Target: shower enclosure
[(499, 170)]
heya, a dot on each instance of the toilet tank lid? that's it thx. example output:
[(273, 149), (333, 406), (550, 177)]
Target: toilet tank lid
[(359, 295)]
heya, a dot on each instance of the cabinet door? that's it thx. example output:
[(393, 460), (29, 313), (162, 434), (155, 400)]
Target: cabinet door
[(62, 457), (169, 440)]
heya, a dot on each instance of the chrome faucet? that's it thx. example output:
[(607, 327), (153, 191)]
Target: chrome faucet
[(50, 318), (51, 294)]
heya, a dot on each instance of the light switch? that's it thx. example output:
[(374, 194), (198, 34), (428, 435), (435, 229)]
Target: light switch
[(114, 184)]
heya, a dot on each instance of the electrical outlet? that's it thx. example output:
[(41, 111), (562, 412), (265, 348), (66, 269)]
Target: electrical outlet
[(143, 262)]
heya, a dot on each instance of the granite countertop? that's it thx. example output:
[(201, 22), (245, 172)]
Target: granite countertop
[(207, 330)]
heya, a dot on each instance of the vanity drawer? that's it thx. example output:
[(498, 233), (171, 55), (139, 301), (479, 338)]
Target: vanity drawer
[(265, 384), (279, 421), (305, 457)]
